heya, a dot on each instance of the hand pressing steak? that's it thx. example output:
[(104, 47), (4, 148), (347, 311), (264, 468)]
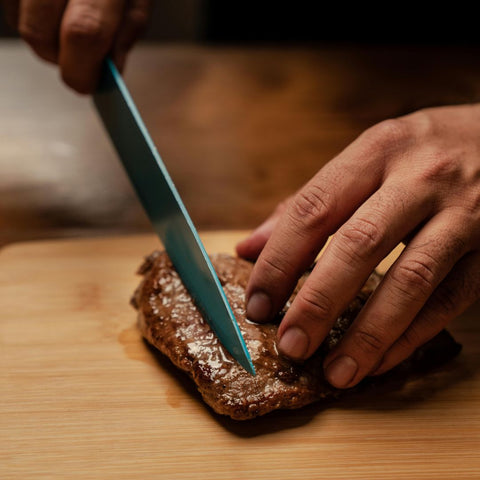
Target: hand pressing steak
[(169, 320)]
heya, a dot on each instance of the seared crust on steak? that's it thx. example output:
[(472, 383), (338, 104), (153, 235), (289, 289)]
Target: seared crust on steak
[(169, 320)]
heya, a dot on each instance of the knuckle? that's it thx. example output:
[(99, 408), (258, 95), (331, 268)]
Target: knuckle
[(360, 238), (315, 303), (422, 123), (413, 276), (275, 267), (86, 29), (390, 135), (310, 208), (441, 166), (369, 340)]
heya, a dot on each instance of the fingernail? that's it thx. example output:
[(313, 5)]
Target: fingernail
[(294, 343), (341, 371), (259, 307)]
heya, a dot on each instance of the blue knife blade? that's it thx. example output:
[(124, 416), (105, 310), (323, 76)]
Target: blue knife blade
[(166, 210)]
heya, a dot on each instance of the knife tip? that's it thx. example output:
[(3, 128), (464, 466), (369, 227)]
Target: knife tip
[(248, 366)]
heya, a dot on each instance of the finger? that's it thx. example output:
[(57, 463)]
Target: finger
[(312, 215), (316, 212), (11, 9), (405, 289), (132, 26), (459, 290), (86, 36), (39, 24), (352, 254), (251, 247)]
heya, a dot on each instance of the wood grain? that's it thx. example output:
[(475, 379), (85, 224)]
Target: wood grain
[(84, 398)]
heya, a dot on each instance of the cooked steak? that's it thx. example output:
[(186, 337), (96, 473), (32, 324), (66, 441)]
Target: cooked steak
[(169, 320)]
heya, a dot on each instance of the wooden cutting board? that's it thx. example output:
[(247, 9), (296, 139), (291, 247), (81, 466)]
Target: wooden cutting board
[(83, 397)]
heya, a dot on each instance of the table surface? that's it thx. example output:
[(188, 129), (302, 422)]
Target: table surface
[(239, 128), (83, 397)]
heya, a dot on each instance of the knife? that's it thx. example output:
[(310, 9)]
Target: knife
[(166, 211)]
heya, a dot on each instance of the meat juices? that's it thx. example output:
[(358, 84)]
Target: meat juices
[(170, 321)]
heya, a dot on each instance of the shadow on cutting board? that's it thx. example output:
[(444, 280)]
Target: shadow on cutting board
[(400, 389), (137, 348), (413, 382)]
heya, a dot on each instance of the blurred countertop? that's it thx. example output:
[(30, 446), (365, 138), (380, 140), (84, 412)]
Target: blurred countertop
[(239, 128)]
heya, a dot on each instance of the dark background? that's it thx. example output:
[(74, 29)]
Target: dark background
[(240, 127), (247, 21)]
